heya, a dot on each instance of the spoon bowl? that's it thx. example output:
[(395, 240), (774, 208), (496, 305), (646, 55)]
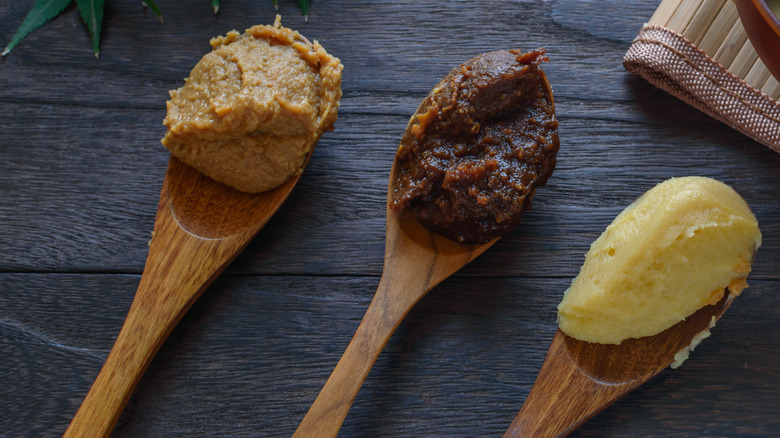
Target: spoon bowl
[(201, 226), (580, 379)]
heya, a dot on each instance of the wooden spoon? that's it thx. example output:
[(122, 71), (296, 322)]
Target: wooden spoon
[(579, 379), (416, 260), (201, 226)]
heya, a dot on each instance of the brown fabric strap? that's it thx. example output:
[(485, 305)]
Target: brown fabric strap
[(672, 63)]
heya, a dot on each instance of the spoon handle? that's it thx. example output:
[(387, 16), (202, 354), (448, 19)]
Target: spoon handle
[(564, 396), (415, 262), (132, 352), (178, 269), (383, 316)]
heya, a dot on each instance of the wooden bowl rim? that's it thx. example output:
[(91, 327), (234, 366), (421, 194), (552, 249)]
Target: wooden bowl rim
[(769, 17)]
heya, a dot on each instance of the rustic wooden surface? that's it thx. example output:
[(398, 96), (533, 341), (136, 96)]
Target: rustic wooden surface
[(200, 227), (80, 177)]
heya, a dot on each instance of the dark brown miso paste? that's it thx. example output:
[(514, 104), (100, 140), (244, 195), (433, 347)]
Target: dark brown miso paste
[(478, 147)]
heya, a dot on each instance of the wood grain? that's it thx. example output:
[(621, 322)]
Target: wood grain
[(579, 379), (80, 179), (703, 20), (719, 29), (482, 337), (416, 260), (200, 227)]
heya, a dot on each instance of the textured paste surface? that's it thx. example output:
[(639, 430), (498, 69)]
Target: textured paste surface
[(252, 109), (478, 146), (674, 250)]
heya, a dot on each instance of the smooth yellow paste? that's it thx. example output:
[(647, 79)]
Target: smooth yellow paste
[(253, 109), (674, 250)]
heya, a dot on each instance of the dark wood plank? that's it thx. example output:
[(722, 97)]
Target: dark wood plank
[(80, 176), (253, 352), (95, 192), (413, 44)]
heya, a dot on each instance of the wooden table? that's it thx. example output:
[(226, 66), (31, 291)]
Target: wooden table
[(81, 172)]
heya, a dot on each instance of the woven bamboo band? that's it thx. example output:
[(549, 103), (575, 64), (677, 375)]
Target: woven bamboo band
[(672, 63)]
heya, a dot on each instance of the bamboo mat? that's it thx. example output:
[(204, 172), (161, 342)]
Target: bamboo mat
[(714, 27)]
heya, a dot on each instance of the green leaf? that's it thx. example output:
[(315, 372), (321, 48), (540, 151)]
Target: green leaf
[(92, 13), (304, 6), (41, 12), (215, 5), (153, 6)]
